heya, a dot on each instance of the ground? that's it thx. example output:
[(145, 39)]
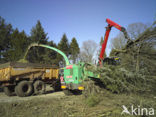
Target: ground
[(14, 99), (56, 104)]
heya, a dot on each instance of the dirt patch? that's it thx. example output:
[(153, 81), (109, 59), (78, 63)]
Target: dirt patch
[(48, 94), (4, 98)]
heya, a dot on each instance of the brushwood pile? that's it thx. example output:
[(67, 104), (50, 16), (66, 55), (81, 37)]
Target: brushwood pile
[(119, 80)]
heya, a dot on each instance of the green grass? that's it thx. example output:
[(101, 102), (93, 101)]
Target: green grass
[(105, 104), (92, 100)]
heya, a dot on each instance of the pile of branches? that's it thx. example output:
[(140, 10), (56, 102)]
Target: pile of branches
[(137, 70), (117, 80), (139, 55)]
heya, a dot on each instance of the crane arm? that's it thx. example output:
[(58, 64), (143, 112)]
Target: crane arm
[(108, 29)]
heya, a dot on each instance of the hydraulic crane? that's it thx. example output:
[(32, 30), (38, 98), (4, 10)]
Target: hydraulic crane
[(104, 44)]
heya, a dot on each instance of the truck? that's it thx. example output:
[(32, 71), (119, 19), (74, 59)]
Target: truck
[(26, 79)]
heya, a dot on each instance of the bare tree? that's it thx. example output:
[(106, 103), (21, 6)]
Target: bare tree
[(118, 42), (87, 51), (135, 29)]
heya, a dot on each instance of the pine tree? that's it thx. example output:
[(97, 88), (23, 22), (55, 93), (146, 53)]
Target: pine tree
[(101, 41), (18, 43), (50, 56), (63, 46), (5, 35), (74, 49), (38, 35)]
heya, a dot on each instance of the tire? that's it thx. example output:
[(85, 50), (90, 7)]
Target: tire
[(1, 89), (39, 87), (77, 92), (57, 86), (24, 89), (9, 90), (16, 90), (67, 92)]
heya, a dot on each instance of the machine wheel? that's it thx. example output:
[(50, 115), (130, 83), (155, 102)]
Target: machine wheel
[(39, 87), (9, 90), (57, 86), (67, 92), (24, 88), (77, 92)]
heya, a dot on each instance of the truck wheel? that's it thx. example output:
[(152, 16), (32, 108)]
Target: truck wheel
[(16, 90), (67, 92), (9, 90), (39, 87), (24, 88), (57, 86)]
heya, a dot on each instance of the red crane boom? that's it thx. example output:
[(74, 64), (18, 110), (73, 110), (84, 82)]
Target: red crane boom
[(108, 29)]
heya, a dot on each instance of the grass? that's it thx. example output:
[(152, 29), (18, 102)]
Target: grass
[(92, 100), (100, 105)]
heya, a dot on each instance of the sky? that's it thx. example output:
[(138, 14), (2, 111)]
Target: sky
[(83, 19)]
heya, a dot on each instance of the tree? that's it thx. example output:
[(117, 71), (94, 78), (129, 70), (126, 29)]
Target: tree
[(5, 35), (50, 56), (101, 42), (63, 45), (18, 43), (36, 54), (38, 35), (118, 42), (74, 50), (88, 51), (135, 29)]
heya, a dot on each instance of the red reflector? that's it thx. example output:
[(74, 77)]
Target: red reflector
[(62, 79), (69, 67), (68, 76)]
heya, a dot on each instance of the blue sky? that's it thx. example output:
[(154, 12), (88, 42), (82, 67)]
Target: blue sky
[(83, 19)]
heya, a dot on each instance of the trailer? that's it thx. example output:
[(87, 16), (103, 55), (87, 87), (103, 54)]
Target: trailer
[(25, 79)]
